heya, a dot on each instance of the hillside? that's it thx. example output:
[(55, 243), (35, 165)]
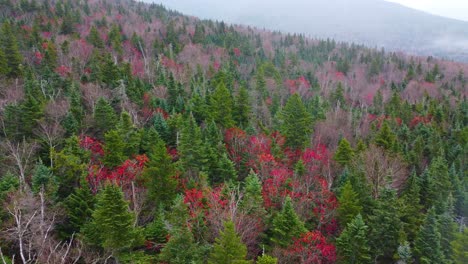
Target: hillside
[(374, 23), (135, 134)]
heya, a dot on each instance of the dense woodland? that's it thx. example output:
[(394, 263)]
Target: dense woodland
[(134, 134)]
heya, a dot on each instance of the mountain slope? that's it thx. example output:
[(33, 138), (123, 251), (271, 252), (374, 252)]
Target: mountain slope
[(370, 22)]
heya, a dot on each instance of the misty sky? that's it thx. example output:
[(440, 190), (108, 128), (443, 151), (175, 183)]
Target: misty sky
[(457, 9), (450, 8)]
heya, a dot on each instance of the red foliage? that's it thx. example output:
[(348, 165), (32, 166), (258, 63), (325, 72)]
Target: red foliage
[(236, 51), (300, 86), (121, 175), (63, 70), (38, 57), (420, 119), (46, 35), (312, 248)]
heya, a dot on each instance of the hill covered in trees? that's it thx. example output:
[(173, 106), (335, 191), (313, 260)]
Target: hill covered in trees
[(134, 134), (375, 23)]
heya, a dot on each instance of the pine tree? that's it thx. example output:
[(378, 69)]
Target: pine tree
[(410, 207), (112, 224), (460, 247), (43, 179), (385, 137), (94, 38), (349, 204), (286, 225), (114, 149), (266, 259), (104, 116), (242, 107), (181, 247), (296, 126), (71, 164), (352, 244), (79, 207), (11, 50), (252, 202), (344, 154), (221, 106), (385, 226), (156, 231), (228, 247), (191, 149), (3, 63), (427, 245), (437, 185), (158, 176)]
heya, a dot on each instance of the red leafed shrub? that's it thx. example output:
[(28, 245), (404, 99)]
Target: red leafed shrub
[(340, 75), (300, 86), (92, 145), (312, 248), (277, 187), (138, 68), (236, 51), (420, 119), (121, 175), (195, 200), (63, 70), (38, 57)]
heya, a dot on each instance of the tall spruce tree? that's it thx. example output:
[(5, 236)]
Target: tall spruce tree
[(286, 225), (221, 106), (228, 247), (158, 176), (385, 226), (344, 154), (460, 247), (349, 204), (112, 225), (427, 246), (353, 246), (9, 43), (296, 123)]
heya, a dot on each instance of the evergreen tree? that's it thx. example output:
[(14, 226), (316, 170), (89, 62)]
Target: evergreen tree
[(352, 244), (42, 179), (427, 245), (71, 164), (404, 253), (191, 149), (297, 123), (286, 225), (156, 231), (221, 106), (242, 107), (410, 207), (385, 137), (79, 207), (228, 247), (266, 259), (344, 154), (94, 38), (437, 185), (349, 204), (252, 202), (112, 224), (114, 149), (385, 226), (181, 247), (11, 50), (460, 247), (104, 116), (3, 63), (158, 176)]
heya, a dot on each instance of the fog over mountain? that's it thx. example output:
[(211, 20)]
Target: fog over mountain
[(375, 23)]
